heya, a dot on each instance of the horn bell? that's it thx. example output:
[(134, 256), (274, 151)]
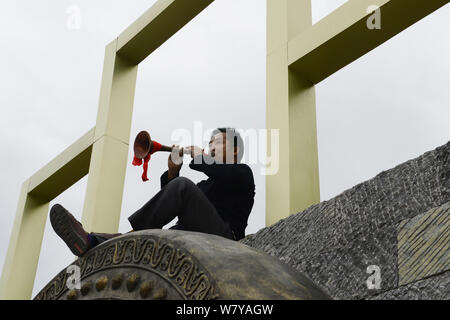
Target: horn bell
[(142, 144)]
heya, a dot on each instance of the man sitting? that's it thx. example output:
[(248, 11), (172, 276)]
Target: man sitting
[(219, 205)]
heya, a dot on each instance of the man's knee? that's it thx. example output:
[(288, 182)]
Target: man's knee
[(182, 182)]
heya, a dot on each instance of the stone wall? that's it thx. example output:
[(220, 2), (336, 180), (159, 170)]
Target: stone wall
[(398, 221)]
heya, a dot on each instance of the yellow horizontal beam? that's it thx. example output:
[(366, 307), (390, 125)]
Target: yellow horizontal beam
[(343, 36), (64, 170), (156, 26)]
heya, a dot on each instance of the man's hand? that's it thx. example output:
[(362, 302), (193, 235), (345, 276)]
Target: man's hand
[(195, 151), (175, 162)]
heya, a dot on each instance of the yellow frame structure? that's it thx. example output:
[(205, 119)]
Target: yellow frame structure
[(299, 55)]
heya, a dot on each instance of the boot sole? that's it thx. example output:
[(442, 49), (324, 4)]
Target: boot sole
[(61, 221)]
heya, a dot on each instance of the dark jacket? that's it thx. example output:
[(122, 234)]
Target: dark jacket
[(229, 187)]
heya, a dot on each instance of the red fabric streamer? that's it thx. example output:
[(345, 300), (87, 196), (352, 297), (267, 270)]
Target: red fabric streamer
[(138, 162)]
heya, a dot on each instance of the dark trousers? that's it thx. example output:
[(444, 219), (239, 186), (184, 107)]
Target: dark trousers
[(179, 198)]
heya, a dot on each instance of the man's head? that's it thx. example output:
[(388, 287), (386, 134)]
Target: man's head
[(226, 146)]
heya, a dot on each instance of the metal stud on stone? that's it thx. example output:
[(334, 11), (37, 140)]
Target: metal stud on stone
[(146, 287), (72, 295), (85, 288), (132, 282), (101, 283), (117, 281), (160, 294)]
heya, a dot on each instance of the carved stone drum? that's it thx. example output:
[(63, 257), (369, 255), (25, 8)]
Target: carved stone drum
[(175, 264)]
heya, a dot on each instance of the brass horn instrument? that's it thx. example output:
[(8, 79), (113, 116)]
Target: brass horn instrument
[(143, 145)]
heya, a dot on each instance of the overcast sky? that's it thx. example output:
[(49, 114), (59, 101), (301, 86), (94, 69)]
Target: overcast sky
[(390, 106)]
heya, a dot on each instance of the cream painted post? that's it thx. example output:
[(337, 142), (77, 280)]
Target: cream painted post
[(291, 109), (103, 200), (24, 247)]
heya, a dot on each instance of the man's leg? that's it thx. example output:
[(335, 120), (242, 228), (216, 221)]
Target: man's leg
[(71, 231), (97, 238), (181, 197)]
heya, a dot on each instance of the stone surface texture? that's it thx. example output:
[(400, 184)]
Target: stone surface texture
[(334, 242), (424, 245)]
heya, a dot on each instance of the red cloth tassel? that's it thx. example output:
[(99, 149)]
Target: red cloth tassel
[(156, 147), (146, 160), (137, 162)]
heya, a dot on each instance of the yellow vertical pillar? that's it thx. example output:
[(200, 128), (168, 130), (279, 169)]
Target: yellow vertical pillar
[(291, 109), (103, 201), (22, 257)]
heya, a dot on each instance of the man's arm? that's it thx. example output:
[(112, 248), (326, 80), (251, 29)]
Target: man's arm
[(174, 167), (225, 172)]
